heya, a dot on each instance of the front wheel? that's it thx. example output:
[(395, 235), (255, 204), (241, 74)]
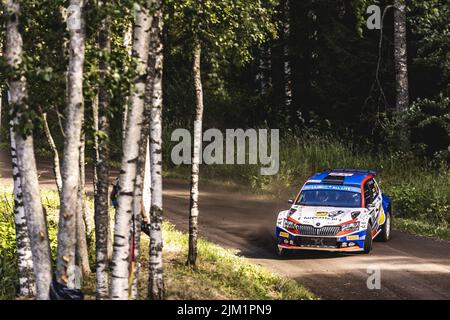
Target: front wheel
[(385, 233), (369, 240)]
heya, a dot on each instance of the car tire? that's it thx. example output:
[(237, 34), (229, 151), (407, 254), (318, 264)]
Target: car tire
[(385, 233), (369, 240)]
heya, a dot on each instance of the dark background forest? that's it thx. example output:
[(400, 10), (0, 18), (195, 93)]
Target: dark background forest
[(333, 59)]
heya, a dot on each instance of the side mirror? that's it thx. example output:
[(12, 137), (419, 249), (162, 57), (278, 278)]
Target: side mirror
[(290, 201)]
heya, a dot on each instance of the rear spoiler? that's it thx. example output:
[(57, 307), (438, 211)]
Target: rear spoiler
[(342, 170)]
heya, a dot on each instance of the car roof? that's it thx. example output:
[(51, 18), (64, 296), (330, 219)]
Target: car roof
[(341, 176)]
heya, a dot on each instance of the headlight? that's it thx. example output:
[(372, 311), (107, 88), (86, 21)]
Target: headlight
[(289, 224), (351, 226)]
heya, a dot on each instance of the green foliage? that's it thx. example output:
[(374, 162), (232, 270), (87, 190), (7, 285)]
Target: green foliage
[(8, 263), (423, 228), (431, 20), (221, 25), (360, 7), (429, 119)]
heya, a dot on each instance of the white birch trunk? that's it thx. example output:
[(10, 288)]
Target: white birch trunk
[(195, 167), (141, 201), (146, 188), (36, 221), (128, 44), (65, 265), (130, 157), (56, 164), (401, 70), (23, 245), (87, 217), (82, 232), (103, 243), (156, 272)]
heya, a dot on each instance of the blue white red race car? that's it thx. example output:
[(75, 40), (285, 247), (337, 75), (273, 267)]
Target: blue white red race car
[(336, 210)]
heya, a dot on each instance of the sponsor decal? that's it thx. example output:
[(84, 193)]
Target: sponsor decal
[(320, 218), (349, 238), (382, 216), (331, 187), (321, 214), (284, 234)]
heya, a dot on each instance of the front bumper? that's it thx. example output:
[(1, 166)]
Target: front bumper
[(351, 242)]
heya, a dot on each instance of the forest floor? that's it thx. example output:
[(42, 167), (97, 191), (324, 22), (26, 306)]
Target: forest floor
[(411, 267)]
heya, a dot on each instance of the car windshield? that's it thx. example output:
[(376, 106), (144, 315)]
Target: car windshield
[(330, 196)]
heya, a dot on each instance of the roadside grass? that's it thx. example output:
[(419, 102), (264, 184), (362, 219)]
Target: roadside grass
[(220, 272), (420, 191), (422, 228)]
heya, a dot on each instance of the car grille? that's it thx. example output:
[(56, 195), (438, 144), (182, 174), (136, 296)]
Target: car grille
[(330, 231), (317, 242)]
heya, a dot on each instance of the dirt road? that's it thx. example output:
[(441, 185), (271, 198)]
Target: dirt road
[(411, 267)]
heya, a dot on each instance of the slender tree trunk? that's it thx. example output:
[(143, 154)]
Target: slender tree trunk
[(287, 58), (156, 272), (102, 225), (82, 255), (27, 285), (263, 77), (130, 157), (147, 187), (1, 104), (87, 217), (56, 164), (127, 43), (401, 70), (193, 206), (138, 206), (71, 178), (95, 128), (36, 221), (142, 200)]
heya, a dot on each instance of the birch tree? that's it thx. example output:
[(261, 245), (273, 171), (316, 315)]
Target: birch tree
[(195, 166), (85, 212), (156, 272), (65, 264), (401, 70), (23, 245), (51, 143), (130, 156), (102, 225), (82, 255), (138, 205), (22, 142)]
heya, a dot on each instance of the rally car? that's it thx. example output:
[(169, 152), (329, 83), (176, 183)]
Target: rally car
[(336, 210)]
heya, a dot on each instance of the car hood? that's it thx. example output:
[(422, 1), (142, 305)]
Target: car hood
[(322, 216)]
